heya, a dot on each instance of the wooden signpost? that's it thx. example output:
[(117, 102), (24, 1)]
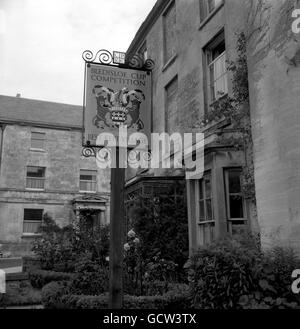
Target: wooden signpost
[(116, 236)]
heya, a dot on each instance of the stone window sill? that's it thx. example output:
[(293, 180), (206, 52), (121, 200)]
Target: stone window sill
[(31, 235), (37, 150), (35, 189), (169, 62)]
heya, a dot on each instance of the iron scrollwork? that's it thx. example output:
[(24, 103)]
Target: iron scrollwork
[(137, 61), (90, 151), (104, 56)]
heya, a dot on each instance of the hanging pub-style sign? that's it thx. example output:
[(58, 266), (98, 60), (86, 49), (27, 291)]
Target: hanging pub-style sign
[(115, 95)]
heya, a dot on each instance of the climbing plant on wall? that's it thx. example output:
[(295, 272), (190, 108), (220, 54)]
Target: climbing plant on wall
[(236, 108)]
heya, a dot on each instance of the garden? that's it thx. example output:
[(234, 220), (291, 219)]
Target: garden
[(231, 273)]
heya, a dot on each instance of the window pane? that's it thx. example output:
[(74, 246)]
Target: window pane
[(220, 76), (171, 106), (84, 172), (35, 183), (207, 187), (37, 135), (38, 172), (220, 66), (236, 206), (87, 180), (201, 190), (234, 181), (209, 214), (170, 32), (201, 211), (212, 4), (87, 177), (33, 214), (89, 186), (218, 50), (31, 227), (37, 143)]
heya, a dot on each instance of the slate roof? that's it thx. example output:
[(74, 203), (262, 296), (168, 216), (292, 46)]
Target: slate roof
[(23, 110)]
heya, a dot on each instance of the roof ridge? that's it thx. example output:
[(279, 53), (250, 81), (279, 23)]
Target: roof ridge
[(37, 100)]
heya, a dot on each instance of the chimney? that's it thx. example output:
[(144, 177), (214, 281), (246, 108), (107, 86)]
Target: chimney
[(18, 95)]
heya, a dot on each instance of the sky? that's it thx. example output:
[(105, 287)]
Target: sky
[(41, 42)]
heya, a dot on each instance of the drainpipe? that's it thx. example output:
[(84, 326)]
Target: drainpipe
[(2, 127)]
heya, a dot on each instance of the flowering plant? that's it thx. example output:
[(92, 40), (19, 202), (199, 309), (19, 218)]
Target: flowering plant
[(132, 260)]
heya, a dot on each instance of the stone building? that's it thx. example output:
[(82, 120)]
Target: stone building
[(42, 171), (191, 43), (274, 75)]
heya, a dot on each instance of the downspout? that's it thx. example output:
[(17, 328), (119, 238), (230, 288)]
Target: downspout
[(2, 127)]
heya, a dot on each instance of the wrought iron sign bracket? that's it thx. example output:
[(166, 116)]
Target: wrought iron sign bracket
[(90, 151), (120, 59)]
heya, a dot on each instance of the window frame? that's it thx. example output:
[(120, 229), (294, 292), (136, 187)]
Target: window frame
[(204, 199), (43, 139), (208, 62), (92, 181), (25, 221), (205, 14), (175, 78), (214, 7), (234, 222), (207, 223), (36, 178), (167, 61)]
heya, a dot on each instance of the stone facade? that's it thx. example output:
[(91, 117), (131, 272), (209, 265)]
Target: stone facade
[(186, 75), (205, 30), (61, 157), (274, 73)]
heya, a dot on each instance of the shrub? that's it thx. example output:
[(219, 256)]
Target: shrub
[(2, 298), (168, 301), (234, 273), (162, 226), (52, 293), (85, 302), (59, 248), (59, 295), (39, 278), (31, 262), (54, 247), (273, 278), (91, 277), (221, 272)]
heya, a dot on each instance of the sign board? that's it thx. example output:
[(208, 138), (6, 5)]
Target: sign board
[(114, 97)]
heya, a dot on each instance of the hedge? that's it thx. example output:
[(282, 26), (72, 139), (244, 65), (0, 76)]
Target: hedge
[(52, 293), (39, 278), (166, 301), (55, 295)]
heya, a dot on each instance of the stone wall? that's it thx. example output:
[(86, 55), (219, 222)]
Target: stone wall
[(63, 161), (274, 75)]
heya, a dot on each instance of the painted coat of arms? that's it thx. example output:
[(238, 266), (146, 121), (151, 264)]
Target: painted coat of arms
[(115, 108)]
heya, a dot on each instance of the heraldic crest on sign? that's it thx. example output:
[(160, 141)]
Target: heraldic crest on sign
[(115, 108)]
